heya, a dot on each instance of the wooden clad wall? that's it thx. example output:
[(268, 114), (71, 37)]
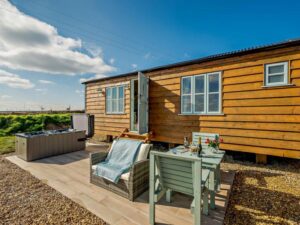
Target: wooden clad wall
[(256, 119), (107, 124)]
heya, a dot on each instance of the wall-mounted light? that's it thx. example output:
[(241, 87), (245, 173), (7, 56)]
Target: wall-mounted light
[(101, 92)]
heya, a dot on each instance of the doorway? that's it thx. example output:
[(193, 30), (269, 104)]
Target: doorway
[(139, 104), (134, 105)]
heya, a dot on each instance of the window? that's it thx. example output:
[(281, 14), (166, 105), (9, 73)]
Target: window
[(201, 94), (276, 74), (186, 95), (115, 99)]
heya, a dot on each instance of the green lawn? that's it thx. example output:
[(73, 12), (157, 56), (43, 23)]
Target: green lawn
[(7, 144)]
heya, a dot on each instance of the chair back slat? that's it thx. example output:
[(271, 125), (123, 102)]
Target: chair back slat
[(176, 174), (203, 136)]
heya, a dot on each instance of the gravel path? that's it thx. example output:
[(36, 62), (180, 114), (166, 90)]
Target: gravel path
[(26, 200), (264, 194), (260, 195)]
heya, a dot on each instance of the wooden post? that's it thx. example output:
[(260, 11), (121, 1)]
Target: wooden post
[(261, 159), (109, 138)]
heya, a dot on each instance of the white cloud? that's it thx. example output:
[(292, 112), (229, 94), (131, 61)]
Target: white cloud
[(97, 76), (112, 61), (42, 90), (14, 80), (29, 44), (46, 82), (147, 55), (134, 66), (94, 49), (5, 96), (81, 80), (79, 91)]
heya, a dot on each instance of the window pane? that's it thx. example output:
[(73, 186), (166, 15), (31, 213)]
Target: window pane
[(108, 106), (121, 92), (213, 83), (186, 85), (213, 100), (199, 84), (199, 103), (108, 92), (114, 106), (186, 104), (276, 69), (276, 79), (121, 105), (114, 92)]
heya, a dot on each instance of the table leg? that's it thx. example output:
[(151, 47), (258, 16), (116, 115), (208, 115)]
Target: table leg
[(218, 177), (205, 202), (212, 188)]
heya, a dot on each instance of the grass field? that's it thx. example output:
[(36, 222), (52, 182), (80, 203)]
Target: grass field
[(7, 144)]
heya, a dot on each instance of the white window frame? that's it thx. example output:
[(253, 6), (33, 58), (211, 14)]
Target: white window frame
[(194, 94), (206, 95), (218, 92), (285, 74), (118, 111), (191, 94)]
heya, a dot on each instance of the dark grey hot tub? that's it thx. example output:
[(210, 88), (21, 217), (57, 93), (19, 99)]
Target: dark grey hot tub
[(41, 144)]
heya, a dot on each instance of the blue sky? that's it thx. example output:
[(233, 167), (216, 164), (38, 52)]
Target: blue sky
[(115, 37)]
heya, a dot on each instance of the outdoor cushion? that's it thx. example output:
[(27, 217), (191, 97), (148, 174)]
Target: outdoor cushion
[(143, 152), (124, 176), (142, 155), (119, 159)]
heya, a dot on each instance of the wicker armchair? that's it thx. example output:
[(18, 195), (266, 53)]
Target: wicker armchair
[(137, 183)]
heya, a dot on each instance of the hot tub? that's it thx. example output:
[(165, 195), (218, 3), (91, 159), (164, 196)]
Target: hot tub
[(42, 144)]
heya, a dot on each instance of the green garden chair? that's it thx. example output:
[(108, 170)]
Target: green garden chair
[(171, 172)]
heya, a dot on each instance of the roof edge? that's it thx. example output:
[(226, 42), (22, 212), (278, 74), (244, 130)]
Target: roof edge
[(278, 45)]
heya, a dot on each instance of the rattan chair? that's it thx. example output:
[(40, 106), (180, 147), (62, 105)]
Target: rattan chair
[(138, 180)]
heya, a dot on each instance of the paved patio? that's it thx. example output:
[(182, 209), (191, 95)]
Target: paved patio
[(69, 174)]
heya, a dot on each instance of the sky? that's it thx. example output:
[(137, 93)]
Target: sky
[(47, 48)]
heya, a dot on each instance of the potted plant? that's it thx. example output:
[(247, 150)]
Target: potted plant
[(214, 143)]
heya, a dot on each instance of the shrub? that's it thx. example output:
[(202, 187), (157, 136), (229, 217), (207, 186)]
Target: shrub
[(12, 124)]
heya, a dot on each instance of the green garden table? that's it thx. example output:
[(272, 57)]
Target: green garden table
[(211, 161)]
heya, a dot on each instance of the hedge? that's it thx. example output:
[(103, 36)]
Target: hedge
[(11, 124)]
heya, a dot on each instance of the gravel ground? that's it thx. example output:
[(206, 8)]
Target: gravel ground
[(264, 194), (26, 200), (260, 195)]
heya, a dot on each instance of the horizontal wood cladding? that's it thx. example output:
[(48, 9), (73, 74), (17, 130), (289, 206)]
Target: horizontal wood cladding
[(107, 124), (254, 118)]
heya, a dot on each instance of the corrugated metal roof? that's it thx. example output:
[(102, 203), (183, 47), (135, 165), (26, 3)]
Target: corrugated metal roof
[(289, 43)]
